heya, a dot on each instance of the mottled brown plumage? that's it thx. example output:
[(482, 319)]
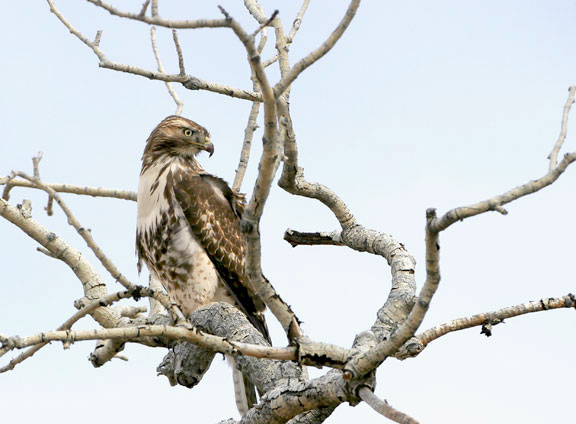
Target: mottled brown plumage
[(189, 224)]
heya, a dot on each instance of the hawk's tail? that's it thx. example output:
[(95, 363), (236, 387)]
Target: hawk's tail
[(244, 390)]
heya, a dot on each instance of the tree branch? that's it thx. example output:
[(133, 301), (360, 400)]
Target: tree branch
[(383, 408), (93, 285), (67, 188), (496, 317), (156, 20), (496, 202), (104, 301), (318, 53), (171, 90), (188, 81), (133, 333), (563, 129), (361, 364), (267, 169)]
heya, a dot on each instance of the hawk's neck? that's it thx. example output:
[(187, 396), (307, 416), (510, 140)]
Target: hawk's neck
[(163, 161)]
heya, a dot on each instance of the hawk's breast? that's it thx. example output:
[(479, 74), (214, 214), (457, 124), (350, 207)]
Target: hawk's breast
[(166, 243)]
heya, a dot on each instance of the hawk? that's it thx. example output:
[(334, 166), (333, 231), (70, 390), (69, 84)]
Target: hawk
[(188, 228)]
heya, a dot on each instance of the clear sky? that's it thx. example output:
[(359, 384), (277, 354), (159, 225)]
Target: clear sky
[(421, 104)]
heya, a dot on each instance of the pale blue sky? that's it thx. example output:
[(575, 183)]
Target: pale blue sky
[(421, 104)]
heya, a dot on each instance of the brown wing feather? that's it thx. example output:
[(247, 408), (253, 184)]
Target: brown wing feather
[(213, 211)]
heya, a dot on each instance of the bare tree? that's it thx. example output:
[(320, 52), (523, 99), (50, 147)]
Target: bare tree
[(289, 395)]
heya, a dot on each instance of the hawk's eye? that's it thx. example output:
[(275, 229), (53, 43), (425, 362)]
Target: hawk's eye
[(187, 132)]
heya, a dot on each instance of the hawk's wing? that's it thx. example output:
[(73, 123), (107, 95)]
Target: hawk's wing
[(214, 211)]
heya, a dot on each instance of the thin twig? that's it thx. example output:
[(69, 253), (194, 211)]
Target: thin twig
[(107, 300), (179, 52), (563, 129), (172, 308), (92, 283), (496, 202), (171, 90), (144, 8), (73, 189), (84, 233), (318, 53), (297, 22), (251, 126), (35, 164), (8, 182), (155, 20), (568, 301), (265, 24), (383, 408), (270, 61), (190, 82)]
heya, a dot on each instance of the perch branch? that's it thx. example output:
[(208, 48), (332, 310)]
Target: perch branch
[(195, 336)]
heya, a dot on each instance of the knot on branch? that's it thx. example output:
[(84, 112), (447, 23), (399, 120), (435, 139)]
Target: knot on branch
[(571, 301), (353, 387), (25, 208), (193, 83), (320, 354), (186, 364), (410, 349), (488, 324), (247, 226)]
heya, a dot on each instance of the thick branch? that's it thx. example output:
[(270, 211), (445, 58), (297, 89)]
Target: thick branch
[(267, 169), (360, 365)]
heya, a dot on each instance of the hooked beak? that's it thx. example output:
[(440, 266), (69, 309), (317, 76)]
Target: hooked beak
[(209, 148)]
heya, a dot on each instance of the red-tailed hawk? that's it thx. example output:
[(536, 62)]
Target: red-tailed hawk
[(188, 230)]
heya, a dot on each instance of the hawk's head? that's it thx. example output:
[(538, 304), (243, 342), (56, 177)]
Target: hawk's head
[(177, 136)]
